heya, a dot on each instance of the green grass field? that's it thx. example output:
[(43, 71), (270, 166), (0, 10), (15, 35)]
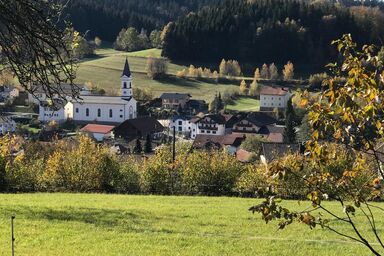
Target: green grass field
[(99, 224), (245, 104), (105, 70)]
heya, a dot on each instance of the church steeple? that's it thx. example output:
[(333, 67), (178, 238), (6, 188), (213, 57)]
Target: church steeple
[(126, 71), (126, 82)]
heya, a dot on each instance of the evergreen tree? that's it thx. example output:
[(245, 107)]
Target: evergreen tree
[(219, 103), (148, 144), (138, 148), (264, 73), (289, 135), (273, 72)]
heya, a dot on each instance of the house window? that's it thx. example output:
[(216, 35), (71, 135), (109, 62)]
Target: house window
[(77, 110), (272, 104), (125, 85), (121, 116), (243, 128), (208, 131), (272, 98), (99, 113), (214, 132), (110, 113), (202, 131), (121, 110), (130, 112), (279, 98), (180, 122), (180, 129), (87, 112)]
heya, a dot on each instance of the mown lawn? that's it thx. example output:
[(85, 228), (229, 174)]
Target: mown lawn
[(245, 104), (105, 70), (99, 224)]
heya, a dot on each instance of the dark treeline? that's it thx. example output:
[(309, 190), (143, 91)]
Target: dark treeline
[(105, 18), (270, 31)]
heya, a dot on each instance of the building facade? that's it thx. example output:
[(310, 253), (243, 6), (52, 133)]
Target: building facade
[(95, 108), (271, 97)]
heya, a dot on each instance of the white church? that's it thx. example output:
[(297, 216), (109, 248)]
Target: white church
[(95, 108)]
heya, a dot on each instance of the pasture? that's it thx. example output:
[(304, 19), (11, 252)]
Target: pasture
[(104, 71), (101, 224)]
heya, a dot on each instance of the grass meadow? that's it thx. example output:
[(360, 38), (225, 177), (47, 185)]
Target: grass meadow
[(104, 71), (101, 224), (245, 104)]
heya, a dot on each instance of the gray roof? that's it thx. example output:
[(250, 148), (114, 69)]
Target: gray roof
[(126, 71), (174, 95), (102, 99)]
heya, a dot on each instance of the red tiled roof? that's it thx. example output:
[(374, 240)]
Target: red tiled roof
[(97, 128), (243, 155), (268, 90)]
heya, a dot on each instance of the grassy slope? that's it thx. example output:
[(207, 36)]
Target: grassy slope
[(105, 71), (245, 104), (92, 224)]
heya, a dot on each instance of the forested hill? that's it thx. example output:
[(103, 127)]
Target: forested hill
[(105, 18), (270, 31)]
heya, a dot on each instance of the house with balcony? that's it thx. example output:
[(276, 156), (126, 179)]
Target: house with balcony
[(212, 124)]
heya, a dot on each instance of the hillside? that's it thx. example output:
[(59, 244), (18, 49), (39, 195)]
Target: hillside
[(105, 70), (105, 18), (270, 31)]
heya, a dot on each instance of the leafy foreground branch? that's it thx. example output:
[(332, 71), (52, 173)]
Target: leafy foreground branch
[(34, 48), (349, 111)]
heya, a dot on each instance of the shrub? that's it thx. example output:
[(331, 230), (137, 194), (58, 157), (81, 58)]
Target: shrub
[(210, 173), (252, 180), (129, 177)]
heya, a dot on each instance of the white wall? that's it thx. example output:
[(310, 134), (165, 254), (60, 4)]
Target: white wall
[(47, 115), (181, 125), (274, 101), (120, 112)]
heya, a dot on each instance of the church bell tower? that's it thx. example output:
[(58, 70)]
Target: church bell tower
[(126, 82)]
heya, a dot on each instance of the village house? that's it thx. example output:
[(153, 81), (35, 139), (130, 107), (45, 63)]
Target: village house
[(8, 92), (7, 125), (139, 128), (230, 142), (95, 108), (212, 124), (98, 132), (273, 97), (52, 111), (174, 100), (259, 123), (182, 124)]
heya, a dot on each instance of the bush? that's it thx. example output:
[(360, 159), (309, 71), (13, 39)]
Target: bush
[(129, 177), (252, 180), (210, 173)]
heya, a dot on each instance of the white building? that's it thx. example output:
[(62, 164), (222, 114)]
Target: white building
[(52, 112), (213, 124), (94, 108), (271, 97), (182, 124), (7, 125)]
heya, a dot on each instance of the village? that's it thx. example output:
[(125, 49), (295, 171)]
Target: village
[(116, 121)]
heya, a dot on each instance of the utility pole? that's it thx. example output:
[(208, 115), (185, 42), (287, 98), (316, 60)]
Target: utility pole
[(12, 236), (174, 145)]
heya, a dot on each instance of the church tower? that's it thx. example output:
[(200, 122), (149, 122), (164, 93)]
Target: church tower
[(126, 82)]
